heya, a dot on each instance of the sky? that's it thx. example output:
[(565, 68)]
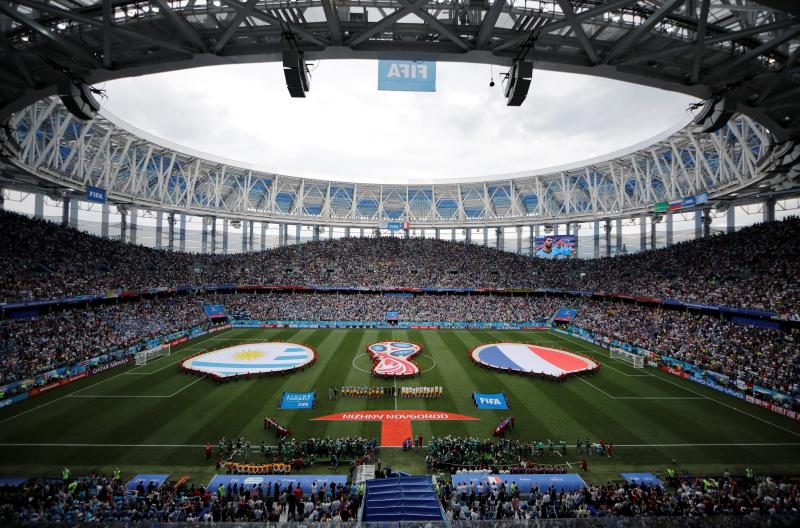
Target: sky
[(346, 129)]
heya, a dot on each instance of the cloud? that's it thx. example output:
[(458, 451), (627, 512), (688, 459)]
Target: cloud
[(346, 129)]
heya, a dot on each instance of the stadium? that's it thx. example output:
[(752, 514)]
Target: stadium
[(611, 341)]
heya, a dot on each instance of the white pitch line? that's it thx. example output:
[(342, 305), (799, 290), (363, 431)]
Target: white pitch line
[(186, 387), (596, 387), (162, 368), (575, 341), (657, 398), (779, 444), (57, 399), (703, 396), (71, 393), (134, 395), (114, 396), (729, 406)]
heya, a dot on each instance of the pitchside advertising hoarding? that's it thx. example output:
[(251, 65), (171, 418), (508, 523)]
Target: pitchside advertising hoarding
[(555, 246), (406, 75)]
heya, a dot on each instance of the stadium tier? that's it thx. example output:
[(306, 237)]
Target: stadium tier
[(428, 346), (426, 350), (753, 268)]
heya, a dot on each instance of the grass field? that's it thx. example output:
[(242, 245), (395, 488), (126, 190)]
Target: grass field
[(154, 418)]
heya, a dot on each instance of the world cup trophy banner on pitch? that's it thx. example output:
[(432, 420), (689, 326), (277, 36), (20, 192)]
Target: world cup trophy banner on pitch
[(393, 358)]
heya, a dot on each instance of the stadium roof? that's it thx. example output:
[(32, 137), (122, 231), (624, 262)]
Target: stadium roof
[(747, 51)]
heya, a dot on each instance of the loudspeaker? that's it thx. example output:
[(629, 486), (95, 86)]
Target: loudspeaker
[(518, 83), (294, 70), (77, 96), (715, 114)]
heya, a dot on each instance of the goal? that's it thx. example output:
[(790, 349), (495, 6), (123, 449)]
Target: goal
[(634, 359), (142, 357)]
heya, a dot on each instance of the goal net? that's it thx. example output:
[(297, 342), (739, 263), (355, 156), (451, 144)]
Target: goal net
[(634, 359), (142, 357)]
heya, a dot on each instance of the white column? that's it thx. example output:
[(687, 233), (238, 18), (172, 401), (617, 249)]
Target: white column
[(104, 216), (769, 210), (596, 228), (159, 228), (730, 218), (132, 225), (38, 205), (642, 232), (182, 234), (65, 210), (73, 213)]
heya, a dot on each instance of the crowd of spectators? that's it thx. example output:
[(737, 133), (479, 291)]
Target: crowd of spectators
[(687, 497), (754, 267), (374, 307), (764, 357), (60, 339), (99, 499)]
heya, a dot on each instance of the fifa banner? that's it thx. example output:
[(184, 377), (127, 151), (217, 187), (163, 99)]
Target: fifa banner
[(298, 400), (95, 194), (395, 226), (407, 76), (490, 401), (214, 311), (555, 246)]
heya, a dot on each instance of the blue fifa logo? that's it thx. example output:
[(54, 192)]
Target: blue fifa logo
[(407, 76)]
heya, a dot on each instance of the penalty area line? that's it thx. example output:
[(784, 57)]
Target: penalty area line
[(700, 394), (135, 395)]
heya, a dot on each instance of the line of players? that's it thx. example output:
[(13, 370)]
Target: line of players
[(377, 392)]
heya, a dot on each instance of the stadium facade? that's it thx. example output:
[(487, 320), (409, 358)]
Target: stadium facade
[(742, 56)]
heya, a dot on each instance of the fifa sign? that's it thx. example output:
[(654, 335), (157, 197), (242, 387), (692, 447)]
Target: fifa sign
[(407, 75), (95, 194)]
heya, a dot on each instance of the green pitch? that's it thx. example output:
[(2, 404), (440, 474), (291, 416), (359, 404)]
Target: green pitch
[(155, 419)]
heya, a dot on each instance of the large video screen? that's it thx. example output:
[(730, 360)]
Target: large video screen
[(555, 246)]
